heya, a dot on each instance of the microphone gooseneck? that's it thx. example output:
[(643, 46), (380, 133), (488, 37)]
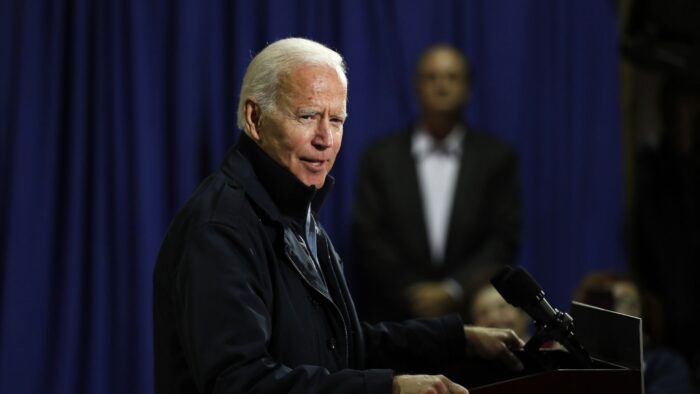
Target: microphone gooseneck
[(521, 290)]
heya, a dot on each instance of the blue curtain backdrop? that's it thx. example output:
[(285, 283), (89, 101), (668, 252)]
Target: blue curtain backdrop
[(112, 111)]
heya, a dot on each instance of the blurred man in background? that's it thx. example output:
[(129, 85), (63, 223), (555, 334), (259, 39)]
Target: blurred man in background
[(665, 370), (489, 309), (437, 205)]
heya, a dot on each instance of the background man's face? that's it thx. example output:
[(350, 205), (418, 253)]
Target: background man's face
[(489, 309), (442, 84), (305, 132), (627, 298)]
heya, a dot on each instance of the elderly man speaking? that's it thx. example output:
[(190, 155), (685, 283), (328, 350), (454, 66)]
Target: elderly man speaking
[(249, 293)]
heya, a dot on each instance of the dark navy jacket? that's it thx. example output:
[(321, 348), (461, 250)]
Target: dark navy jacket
[(239, 306), (389, 230)]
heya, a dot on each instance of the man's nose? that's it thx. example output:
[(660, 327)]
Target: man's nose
[(323, 139)]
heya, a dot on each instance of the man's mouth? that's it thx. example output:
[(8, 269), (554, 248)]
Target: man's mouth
[(314, 163)]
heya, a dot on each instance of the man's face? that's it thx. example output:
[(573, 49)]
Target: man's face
[(627, 299), (442, 84), (305, 132), (489, 309)]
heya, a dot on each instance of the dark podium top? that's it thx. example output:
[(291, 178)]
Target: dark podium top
[(612, 339)]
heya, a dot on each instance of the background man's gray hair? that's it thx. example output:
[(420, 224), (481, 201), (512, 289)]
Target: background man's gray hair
[(261, 79)]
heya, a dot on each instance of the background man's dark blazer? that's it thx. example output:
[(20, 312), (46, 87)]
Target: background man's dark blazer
[(389, 232)]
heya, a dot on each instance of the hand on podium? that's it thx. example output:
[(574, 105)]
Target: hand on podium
[(494, 343), (426, 384)]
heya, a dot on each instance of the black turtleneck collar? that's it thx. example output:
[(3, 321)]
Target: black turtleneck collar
[(291, 196)]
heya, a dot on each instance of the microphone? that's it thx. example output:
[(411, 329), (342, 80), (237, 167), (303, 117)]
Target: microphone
[(521, 290)]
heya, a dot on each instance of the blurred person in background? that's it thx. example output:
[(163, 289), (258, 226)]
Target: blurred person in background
[(665, 370), (437, 205), (489, 309), (667, 214)]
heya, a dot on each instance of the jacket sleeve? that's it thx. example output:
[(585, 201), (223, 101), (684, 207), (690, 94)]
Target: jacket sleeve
[(221, 301), (374, 245), (415, 346)]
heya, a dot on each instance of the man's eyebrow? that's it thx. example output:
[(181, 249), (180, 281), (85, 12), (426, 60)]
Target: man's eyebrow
[(312, 111), (308, 111)]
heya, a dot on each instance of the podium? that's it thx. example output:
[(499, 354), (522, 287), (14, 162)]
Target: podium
[(613, 340), (569, 381)]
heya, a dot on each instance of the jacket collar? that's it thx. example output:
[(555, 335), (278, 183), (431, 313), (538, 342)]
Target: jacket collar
[(423, 143), (272, 187), (282, 197)]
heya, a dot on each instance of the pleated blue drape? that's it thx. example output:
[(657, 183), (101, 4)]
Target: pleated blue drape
[(112, 111)]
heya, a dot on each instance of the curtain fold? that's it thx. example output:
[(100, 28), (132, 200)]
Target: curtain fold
[(111, 112)]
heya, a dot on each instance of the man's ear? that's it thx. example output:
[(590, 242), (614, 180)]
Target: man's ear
[(253, 118)]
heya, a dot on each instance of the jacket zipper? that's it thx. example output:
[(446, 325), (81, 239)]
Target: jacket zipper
[(337, 310)]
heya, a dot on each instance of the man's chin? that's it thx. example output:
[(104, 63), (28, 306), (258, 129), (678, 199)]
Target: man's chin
[(315, 181)]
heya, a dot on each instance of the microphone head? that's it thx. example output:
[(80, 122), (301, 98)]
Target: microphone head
[(516, 286)]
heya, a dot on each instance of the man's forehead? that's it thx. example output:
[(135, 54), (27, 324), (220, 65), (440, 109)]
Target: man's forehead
[(306, 81), (442, 60), (310, 70)]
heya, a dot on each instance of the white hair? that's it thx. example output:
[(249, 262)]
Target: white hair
[(262, 78)]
